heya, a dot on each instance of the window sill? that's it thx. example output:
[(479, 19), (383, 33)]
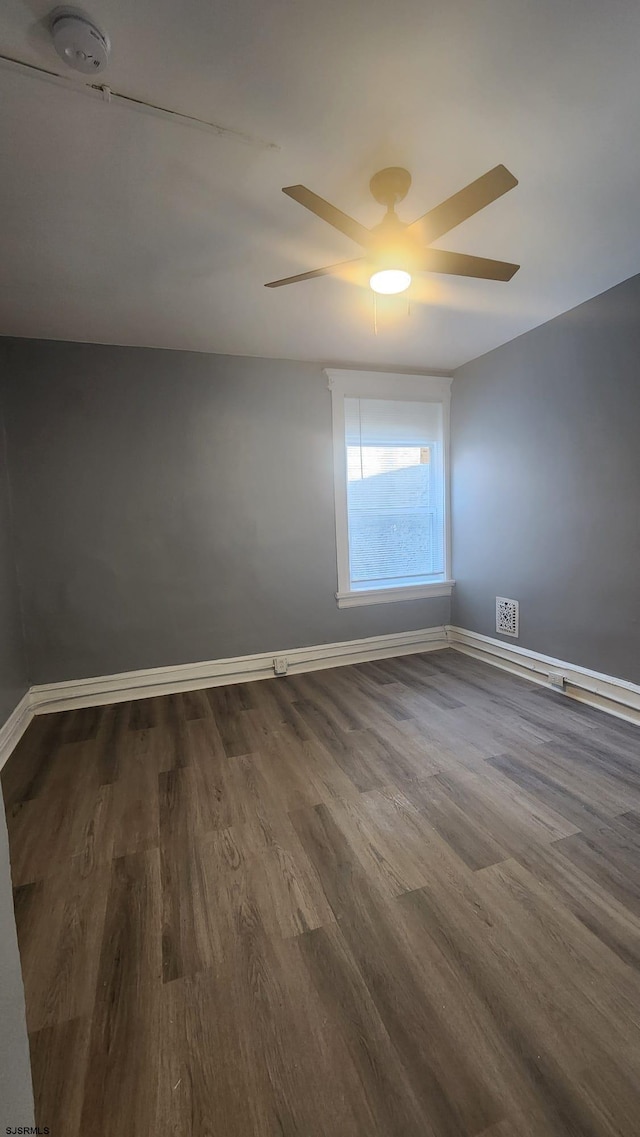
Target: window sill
[(391, 595)]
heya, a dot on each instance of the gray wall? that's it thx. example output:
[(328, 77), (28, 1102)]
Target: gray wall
[(16, 1099), (546, 485), (13, 664), (16, 1096), (175, 507)]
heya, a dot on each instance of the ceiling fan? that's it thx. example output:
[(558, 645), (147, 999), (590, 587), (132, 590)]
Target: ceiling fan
[(396, 249)]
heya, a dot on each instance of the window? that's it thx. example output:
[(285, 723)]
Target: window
[(390, 456)]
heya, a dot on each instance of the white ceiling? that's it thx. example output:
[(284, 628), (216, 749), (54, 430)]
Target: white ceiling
[(122, 227)]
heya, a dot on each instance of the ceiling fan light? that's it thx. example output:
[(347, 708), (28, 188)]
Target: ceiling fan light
[(389, 281)]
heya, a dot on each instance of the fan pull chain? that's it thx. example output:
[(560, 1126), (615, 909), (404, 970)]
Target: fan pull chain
[(375, 315)]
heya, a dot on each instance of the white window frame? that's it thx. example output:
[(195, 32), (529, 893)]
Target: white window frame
[(405, 388)]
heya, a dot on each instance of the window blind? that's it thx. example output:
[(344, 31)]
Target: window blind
[(395, 492)]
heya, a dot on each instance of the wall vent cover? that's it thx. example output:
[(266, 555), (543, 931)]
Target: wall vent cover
[(507, 616)]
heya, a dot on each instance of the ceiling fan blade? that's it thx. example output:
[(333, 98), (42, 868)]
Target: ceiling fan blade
[(310, 275), (468, 201), (459, 264), (327, 212)]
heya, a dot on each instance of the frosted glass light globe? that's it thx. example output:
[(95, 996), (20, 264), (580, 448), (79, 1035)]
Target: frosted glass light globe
[(390, 280)]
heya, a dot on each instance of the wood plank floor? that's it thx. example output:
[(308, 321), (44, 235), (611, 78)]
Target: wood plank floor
[(398, 899)]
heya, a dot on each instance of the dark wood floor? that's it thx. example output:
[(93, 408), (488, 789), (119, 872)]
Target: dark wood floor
[(400, 899)]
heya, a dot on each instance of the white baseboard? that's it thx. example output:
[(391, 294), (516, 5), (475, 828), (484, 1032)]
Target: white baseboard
[(615, 696), (12, 730), (240, 669)]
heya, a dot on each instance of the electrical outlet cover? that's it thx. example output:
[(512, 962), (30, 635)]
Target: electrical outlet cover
[(557, 680)]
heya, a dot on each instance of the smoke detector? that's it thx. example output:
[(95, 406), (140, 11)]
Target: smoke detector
[(79, 41)]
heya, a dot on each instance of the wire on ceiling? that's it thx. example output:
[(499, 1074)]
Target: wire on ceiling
[(109, 95)]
